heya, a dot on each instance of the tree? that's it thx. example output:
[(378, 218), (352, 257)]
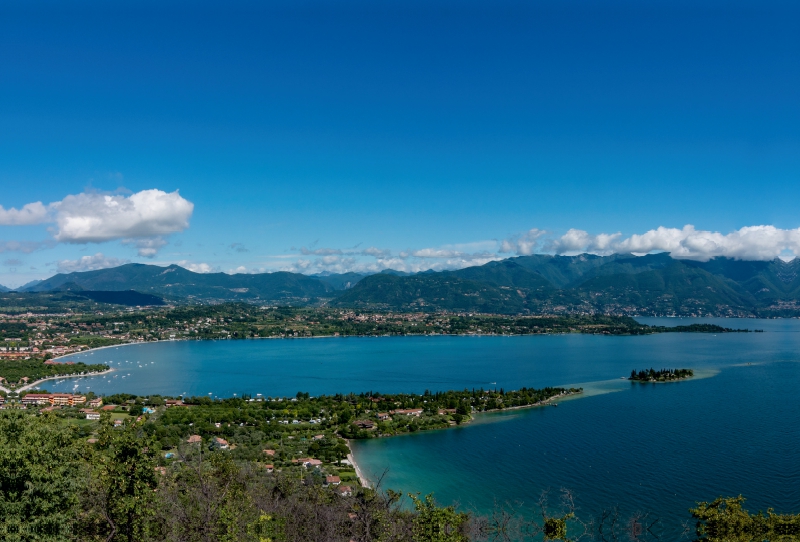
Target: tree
[(40, 478), (436, 524), (206, 500), (123, 482), (724, 520)]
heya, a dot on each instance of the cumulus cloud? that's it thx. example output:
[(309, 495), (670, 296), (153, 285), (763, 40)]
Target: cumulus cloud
[(142, 219), (197, 267), (748, 243), (412, 261), (580, 241), (146, 248), (89, 263), (29, 214), (524, 244), (94, 218)]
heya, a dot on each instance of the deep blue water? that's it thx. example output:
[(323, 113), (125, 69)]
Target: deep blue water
[(734, 429)]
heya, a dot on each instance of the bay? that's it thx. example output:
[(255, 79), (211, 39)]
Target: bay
[(660, 448)]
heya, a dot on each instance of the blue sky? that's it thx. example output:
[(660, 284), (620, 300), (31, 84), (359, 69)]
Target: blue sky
[(342, 136)]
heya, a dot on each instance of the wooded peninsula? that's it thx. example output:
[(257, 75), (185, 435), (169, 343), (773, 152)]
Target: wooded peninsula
[(661, 375)]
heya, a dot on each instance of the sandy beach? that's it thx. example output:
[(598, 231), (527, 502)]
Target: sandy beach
[(95, 349), (26, 387), (361, 478)]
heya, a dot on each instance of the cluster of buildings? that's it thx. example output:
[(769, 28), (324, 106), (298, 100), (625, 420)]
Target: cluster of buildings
[(28, 352), (59, 399)]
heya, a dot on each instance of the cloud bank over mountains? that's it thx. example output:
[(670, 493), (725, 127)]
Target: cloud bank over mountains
[(89, 263), (142, 219), (748, 243)]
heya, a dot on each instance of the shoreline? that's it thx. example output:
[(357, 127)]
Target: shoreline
[(474, 416), (478, 334), (659, 381), (363, 480), (98, 348), (26, 387)]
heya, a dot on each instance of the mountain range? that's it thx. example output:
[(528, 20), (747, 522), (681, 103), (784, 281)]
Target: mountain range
[(618, 284)]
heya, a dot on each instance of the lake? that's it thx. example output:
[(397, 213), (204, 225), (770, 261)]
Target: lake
[(652, 447)]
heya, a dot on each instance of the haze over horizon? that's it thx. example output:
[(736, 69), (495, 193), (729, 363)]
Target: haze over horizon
[(412, 136)]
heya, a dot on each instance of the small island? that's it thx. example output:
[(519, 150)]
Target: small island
[(661, 375)]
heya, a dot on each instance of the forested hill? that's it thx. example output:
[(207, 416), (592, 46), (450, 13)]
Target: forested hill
[(619, 284), (179, 284)]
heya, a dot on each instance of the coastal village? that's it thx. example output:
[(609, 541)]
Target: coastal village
[(304, 435), (31, 335)]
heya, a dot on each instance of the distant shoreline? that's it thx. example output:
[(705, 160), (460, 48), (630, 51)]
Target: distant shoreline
[(545, 333), (99, 348)]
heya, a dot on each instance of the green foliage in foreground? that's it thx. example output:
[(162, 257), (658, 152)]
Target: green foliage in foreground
[(56, 486), (724, 520), (437, 524)]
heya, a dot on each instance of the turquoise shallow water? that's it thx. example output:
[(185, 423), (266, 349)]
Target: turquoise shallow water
[(644, 447)]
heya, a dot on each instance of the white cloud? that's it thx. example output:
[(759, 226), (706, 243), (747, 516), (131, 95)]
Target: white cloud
[(29, 214), (524, 244), (748, 243), (197, 267), (147, 248), (89, 263), (141, 219), (449, 254), (580, 241), (411, 262), (95, 218)]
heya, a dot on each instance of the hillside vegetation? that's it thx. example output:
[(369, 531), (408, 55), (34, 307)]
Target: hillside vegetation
[(119, 486), (654, 285), (618, 284)]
